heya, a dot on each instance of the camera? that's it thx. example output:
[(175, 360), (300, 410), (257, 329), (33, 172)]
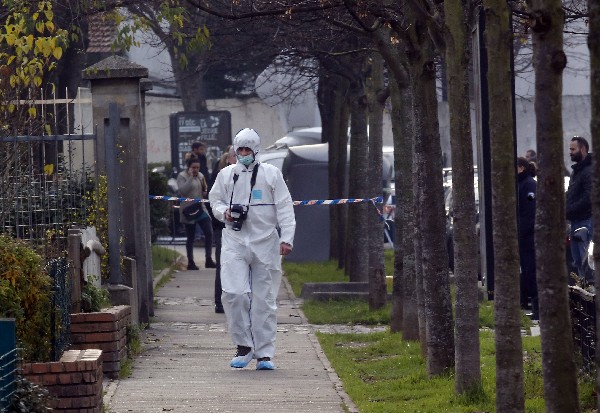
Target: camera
[(238, 213)]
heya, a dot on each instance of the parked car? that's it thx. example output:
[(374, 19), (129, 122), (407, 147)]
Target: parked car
[(274, 157), (447, 174), (306, 136)]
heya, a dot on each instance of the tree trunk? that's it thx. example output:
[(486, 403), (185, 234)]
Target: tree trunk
[(405, 302), (334, 120), (436, 282), (188, 80), (549, 60), (417, 174), (594, 45), (404, 297), (458, 60), (358, 234), (376, 99), (189, 71), (507, 312)]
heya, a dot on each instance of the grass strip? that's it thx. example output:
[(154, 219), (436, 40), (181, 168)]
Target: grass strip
[(382, 373)]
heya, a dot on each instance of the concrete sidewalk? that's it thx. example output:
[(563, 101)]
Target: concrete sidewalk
[(185, 363)]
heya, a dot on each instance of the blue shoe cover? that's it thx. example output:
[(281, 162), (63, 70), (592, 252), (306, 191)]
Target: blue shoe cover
[(240, 362), (265, 365)]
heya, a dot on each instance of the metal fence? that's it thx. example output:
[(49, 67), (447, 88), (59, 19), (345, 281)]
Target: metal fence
[(47, 180), (58, 269), (44, 178), (583, 320)]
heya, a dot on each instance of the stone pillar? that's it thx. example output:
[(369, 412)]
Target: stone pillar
[(116, 81)]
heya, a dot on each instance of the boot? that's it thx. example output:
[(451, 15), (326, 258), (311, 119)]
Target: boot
[(192, 265), (210, 263)]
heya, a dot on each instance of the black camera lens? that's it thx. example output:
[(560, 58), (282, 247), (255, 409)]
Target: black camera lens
[(238, 213)]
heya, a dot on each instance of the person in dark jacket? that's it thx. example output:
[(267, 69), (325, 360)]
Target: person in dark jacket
[(579, 204), (527, 187), (228, 158), (199, 152)]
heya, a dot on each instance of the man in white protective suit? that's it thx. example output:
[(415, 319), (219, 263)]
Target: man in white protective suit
[(253, 201)]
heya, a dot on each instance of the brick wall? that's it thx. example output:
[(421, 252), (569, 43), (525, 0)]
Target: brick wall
[(75, 381), (105, 330)]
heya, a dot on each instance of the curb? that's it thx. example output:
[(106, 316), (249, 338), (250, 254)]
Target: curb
[(335, 379), (165, 271)]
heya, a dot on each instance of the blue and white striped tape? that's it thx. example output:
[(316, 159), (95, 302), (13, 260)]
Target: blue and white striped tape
[(376, 200)]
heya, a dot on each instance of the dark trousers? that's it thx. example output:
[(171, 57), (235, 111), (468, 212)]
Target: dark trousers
[(190, 232), (528, 273), (218, 289)]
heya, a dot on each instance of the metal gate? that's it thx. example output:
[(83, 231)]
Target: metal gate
[(45, 179)]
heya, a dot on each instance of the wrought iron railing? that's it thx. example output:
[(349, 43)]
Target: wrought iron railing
[(58, 269), (583, 320)]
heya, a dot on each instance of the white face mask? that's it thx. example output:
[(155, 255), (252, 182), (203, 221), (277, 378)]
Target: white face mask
[(246, 160)]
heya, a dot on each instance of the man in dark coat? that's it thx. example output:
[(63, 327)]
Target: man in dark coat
[(579, 204), (199, 151), (527, 188)]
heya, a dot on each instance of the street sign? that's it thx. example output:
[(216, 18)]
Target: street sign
[(213, 128)]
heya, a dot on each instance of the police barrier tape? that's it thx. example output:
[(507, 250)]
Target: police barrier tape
[(376, 200)]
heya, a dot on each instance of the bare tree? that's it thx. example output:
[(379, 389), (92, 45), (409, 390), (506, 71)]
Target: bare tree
[(549, 60), (332, 99), (358, 235), (376, 96), (458, 19), (405, 314), (404, 297), (432, 226), (507, 313)]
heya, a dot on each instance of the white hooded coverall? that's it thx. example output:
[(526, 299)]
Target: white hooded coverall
[(250, 258)]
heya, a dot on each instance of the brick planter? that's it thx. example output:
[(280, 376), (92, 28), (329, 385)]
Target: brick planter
[(75, 381), (105, 330)]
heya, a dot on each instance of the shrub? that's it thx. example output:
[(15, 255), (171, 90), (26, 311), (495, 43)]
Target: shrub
[(25, 291), (29, 398), (93, 298)]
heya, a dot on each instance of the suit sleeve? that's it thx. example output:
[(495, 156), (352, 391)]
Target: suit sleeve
[(285, 209), (218, 196)]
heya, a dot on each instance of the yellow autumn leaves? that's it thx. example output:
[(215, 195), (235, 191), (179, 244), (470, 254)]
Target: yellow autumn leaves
[(30, 46)]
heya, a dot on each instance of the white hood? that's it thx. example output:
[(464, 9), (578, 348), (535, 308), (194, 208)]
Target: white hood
[(247, 138)]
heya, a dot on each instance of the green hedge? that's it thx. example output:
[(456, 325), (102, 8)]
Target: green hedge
[(25, 292)]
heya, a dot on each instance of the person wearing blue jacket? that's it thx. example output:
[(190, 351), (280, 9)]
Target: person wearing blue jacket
[(527, 186)]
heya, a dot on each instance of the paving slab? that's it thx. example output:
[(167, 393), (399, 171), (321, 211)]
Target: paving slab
[(184, 366)]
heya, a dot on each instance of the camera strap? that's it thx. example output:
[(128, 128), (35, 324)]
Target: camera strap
[(252, 183)]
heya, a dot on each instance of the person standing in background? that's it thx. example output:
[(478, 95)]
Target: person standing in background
[(192, 184), (199, 151), (527, 187), (579, 203), (228, 158), (531, 156)]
